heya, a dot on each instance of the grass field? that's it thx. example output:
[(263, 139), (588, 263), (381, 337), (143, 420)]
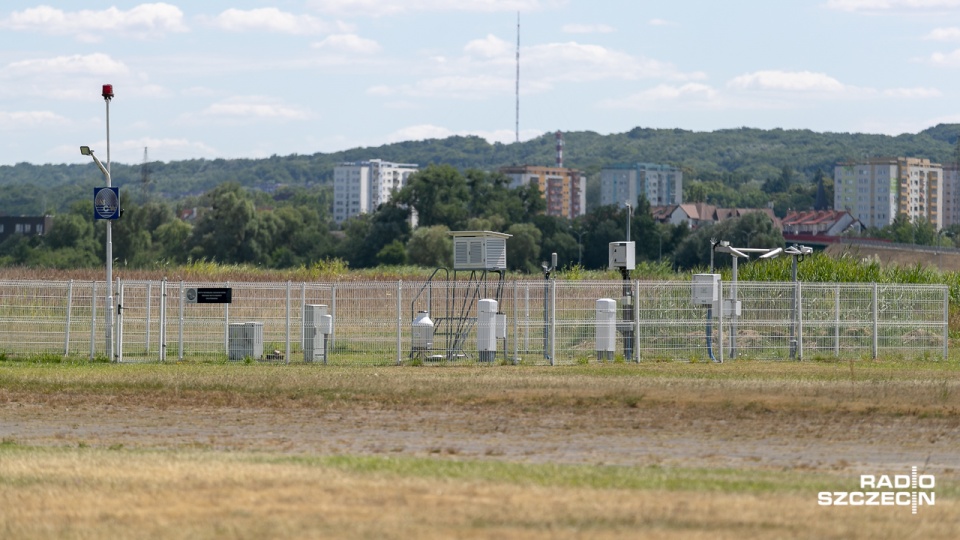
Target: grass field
[(655, 450)]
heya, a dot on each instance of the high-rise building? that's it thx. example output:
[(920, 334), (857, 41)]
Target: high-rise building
[(661, 184), (876, 191), (565, 190), (951, 195), (360, 187)]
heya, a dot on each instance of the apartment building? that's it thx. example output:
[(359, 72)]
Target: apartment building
[(360, 187), (25, 225), (661, 184), (565, 190), (951, 194), (876, 191)]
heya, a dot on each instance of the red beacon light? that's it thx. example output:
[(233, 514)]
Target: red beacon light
[(108, 91)]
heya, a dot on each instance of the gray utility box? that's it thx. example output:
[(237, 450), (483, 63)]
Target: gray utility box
[(706, 289), (622, 255), (245, 340), (317, 325)]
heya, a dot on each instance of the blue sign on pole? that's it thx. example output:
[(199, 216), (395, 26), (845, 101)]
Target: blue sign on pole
[(106, 203)]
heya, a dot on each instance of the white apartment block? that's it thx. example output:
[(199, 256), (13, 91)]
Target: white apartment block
[(875, 191), (360, 187), (661, 184)]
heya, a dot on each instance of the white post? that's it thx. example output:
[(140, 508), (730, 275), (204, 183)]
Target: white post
[(636, 321), (147, 339), (553, 322), (119, 333), (719, 312), (836, 322), (180, 329), (66, 339), (287, 350), (109, 319), (93, 321), (876, 324), (399, 321), (799, 321), (163, 320), (946, 320)]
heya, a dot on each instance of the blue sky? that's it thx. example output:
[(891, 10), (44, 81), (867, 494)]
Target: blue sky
[(240, 79)]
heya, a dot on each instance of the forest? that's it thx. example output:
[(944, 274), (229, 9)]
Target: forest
[(275, 212)]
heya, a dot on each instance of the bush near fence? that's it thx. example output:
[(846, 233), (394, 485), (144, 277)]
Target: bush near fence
[(545, 322)]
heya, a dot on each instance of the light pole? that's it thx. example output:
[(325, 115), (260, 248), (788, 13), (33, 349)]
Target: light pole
[(580, 246), (86, 151)]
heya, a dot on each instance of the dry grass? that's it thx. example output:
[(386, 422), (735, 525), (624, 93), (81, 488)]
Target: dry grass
[(667, 450)]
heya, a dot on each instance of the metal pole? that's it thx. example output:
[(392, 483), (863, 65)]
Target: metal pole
[(119, 332), (799, 321), (636, 319), (287, 349), (180, 329), (66, 339), (720, 319), (93, 321), (836, 322), (793, 309), (553, 322), (946, 320), (109, 318), (399, 320), (147, 340), (226, 325), (733, 310), (876, 316), (163, 320), (333, 317)]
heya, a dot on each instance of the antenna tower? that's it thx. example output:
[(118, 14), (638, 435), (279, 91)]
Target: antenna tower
[(517, 127), (144, 174)]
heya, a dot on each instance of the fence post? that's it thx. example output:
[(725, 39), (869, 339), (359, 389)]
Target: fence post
[(836, 322), (333, 312), (180, 326), (526, 318), (399, 320), (93, 321), (226, 324), (66, 340), (146, 340), (636, 321), (287, 349), (799, 321), (553, 321), (719, 311), (876, 317), (163, 320), (946, 321), (516, 333), (119, 337), (303, 303)]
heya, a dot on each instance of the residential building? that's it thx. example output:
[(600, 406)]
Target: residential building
[(951, 195), (360, 187), (698, 214), (876, 191), (28, 225), (661, 184), (565, 190)]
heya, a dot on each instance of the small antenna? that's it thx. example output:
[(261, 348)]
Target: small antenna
[(517, 128)]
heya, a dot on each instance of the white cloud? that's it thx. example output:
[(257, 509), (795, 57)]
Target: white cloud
[(664, 93), (453, 87), (142, 21), (490, 47), (26, 119), (577, 62), (943, 34), (912, 93), (587, 29), (430, 131), (382, 8), (89, 64), (951, 59), (792, 81), (659, 22), (270, 20), (892, 5), (254, 107), (349, 43)]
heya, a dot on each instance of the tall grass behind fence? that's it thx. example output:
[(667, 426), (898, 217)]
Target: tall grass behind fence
[(540, 322)]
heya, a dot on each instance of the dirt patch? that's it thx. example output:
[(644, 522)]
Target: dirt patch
[(752, 436)]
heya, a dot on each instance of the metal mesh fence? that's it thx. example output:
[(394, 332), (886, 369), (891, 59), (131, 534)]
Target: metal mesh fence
[(536, 321)]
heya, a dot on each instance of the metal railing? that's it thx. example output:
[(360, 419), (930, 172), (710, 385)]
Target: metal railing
[(540, 322)]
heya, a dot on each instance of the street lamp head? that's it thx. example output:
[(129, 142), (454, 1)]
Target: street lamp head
[(108, 92), (86, 151)]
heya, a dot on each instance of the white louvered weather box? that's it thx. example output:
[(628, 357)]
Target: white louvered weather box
[(479, 250)]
